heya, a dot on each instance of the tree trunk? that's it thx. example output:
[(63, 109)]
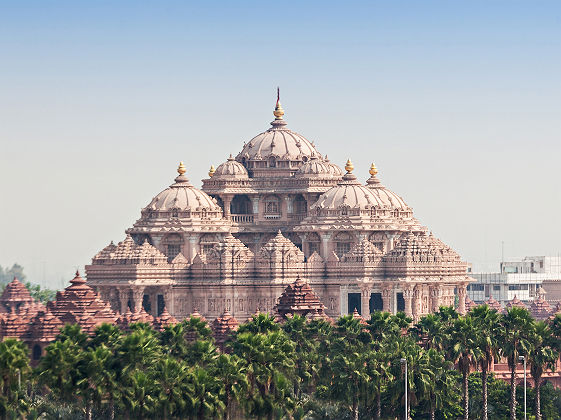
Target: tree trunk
[(111, 409), (88, 411), (484, 375), (379, 404), (466, 393), (227, 406), (537, 387), (513, 392), (355, 410)]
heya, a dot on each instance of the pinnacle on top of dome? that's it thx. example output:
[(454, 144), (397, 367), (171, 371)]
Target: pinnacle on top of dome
[(181, 168), (278, 112), (349, 167), (373, 170), (77, 280), (181, 179), (211, 171)]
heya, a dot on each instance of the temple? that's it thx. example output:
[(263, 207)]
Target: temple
[(276, 211)]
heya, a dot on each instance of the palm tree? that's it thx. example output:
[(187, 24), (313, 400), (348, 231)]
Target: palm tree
[(99, 378), (378, 369), (230, 371), (436, 388), (542, 355), (14, 367), (516, 326), (383, 325), (259, 323), (431, 331), (139, 393), (106, 334), (204, 390), (464, 351), (173, 340), (269, 358), (486, 322), (171, 376)]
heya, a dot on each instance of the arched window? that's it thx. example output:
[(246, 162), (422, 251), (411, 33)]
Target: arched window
[(343, 243), (37, 352), (241, 204), (344, 210), (272, 162), (300, 206), (174, 213)]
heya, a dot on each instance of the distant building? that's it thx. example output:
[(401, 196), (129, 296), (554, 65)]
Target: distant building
[(520, 278)]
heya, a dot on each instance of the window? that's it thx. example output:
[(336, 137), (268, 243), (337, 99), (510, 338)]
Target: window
[(342, 248), (477, 287), (272, 205), (241, 204), (354, 303), (496, 287), (518, 287), (175, 213), (272, 162), (173, 250), (313, 247)]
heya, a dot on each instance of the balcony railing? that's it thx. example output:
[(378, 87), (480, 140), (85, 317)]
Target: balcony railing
[(242, 218)]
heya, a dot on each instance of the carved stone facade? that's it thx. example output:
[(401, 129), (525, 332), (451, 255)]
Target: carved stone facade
[(277, 211)]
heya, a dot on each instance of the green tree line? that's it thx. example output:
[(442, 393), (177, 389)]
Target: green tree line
[(298, 369)]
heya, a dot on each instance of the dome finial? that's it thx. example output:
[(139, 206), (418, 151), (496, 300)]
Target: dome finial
[(279, 112), (211, 171), (373, 170), (349, 166), (181, 168)]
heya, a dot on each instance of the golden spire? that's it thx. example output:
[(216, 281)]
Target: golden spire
[(181, 168), (279, 112), (349, 166), (211, 171), (373, 170)]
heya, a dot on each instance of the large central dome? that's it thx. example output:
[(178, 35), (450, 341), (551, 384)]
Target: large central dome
[(277, 148)]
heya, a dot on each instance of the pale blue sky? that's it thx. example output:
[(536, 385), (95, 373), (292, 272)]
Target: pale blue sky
[(457, 102)]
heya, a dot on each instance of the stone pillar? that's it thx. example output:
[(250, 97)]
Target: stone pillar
[(435, 293), (227, 200), (387, 294), (192, 245), (417, 293), (154, 304), (462, 299), (137, 296), (365, 302), (408, 297), (168, 300), (124, 299), (288, 201), (255, 203), (325, 245)]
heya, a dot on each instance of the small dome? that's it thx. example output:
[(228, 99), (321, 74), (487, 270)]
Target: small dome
[(386, 196), (314, 168), (348, 193), (182, 196), (335, 170), (230, 170)]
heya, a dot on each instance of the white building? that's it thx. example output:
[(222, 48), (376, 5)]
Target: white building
[(520, 277)]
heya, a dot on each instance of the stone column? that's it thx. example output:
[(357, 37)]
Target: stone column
[(408, 297), (435, 293), (192, 247), (462, 299), (365, 302), (154, 304), (124, 298), (325, 245), (137, 296), (168, 300), (387, 294), (227, 200), (417, 293), (288, 201)]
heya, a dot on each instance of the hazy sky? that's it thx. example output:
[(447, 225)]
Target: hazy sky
[(457, 102)]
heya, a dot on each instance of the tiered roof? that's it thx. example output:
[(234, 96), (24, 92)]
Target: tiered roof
[(356, 315), (15, 295), (127, 251), (79, 303), (493, 304), (223, 327), (470, 304), (165, 319), (299, 299), (515, 302), (539, 308)]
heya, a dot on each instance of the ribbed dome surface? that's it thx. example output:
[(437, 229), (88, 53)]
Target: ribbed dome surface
[(182, 196), (386, 196), (278, 141), (348, 192), (231, 170)]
